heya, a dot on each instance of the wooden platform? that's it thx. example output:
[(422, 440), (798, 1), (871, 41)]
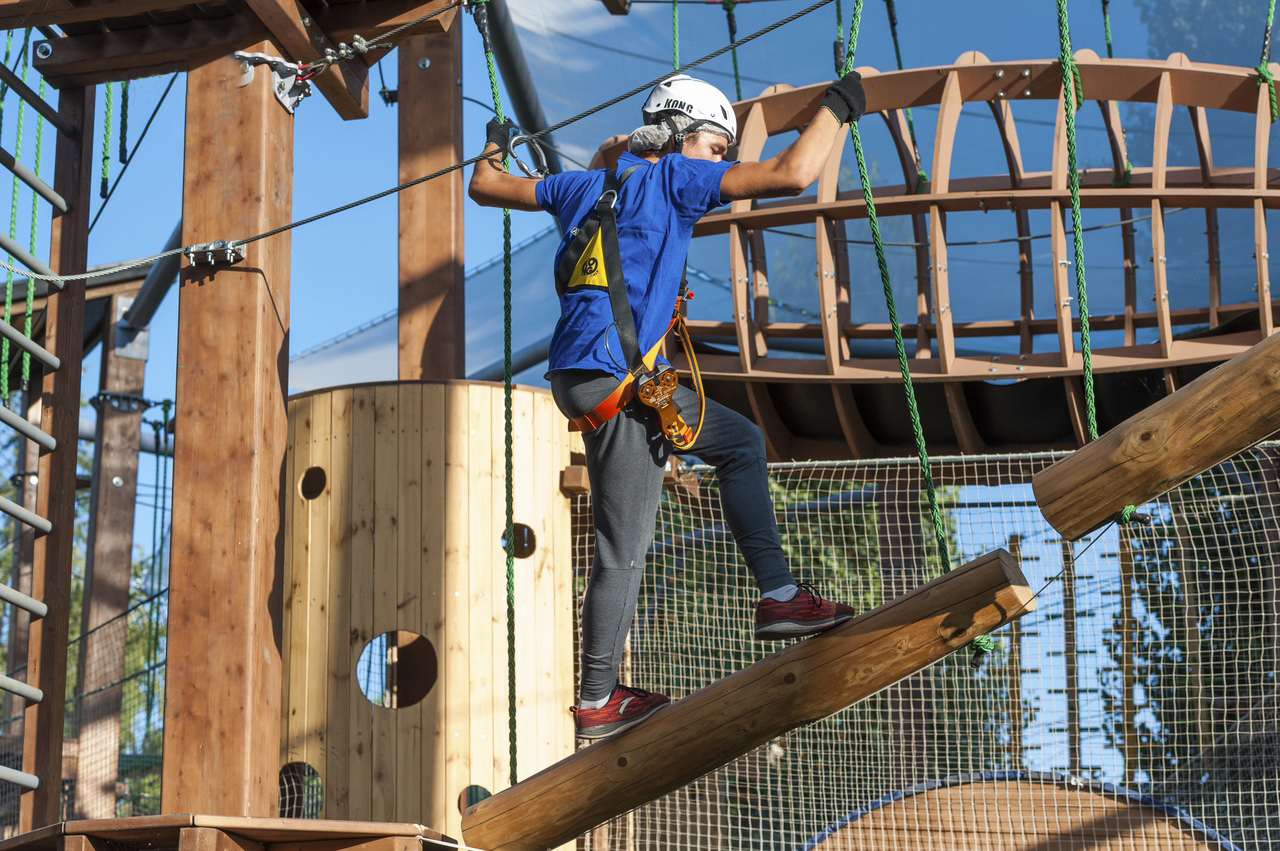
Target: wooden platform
[(190, 832)]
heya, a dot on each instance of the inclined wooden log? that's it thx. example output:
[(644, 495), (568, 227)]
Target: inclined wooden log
[(802, 683), (1222, 412)]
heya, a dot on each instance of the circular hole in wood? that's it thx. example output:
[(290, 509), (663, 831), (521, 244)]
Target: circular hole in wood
[(312, 483), (301, 791), (471, 796), (397, 669), (622, 762), (523, 538)]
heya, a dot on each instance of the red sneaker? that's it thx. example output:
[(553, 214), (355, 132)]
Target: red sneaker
[(626, 708), (804, 614)]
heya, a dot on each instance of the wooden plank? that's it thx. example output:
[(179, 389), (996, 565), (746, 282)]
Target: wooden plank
[(93, 58), (1227, 409), (532, 458), (362, 628), (108, 568), (316, 679), (15, 14), (55, 498), (343, 689), (457, 723), (372, 19), (408, 599), (436, 735), (386, 518), (233, 325), (298, 591), (211, 839), (430, 295), (487, 684), (378, 843), (345, 83), (802, 683)]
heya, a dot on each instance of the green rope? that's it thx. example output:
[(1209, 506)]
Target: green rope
[(675, 33), (1073, 95), (1106, 26), (8, 288), (982, 644), (1264, 72), (13, 228), (28, 317), (728, 5), (106, 142), (921, 176), (482, 22), (124, 122), (839, 44)]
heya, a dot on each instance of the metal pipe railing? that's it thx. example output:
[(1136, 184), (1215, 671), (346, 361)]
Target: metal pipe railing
[(33, 180), (39, 104), (16, 777), (17, 512), (22, 601), (17, 252), (28, 429), (30, 346)]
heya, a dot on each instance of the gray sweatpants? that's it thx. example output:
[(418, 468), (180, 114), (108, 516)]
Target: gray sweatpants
[(625, 461)]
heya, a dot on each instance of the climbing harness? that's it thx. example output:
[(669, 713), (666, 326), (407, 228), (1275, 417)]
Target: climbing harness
[(593, 260)]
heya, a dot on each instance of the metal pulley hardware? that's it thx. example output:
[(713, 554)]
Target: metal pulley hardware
[(289, 80)]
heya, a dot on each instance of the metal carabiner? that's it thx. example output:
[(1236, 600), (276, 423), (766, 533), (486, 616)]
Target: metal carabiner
[(540, 164)]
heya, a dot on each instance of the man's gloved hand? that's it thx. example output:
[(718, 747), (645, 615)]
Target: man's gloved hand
[(845, 98), (499, 132)]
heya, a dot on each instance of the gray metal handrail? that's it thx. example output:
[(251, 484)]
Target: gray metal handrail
[(30, 346), (13, 775), (24, 602), (17, 512), (21, 689), (36, 102), (27, 259), (28, 429), (33, 180)]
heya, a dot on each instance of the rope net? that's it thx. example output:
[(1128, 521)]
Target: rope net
[(1137, 704)]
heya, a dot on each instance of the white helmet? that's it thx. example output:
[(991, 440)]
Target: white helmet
[(699, 100)]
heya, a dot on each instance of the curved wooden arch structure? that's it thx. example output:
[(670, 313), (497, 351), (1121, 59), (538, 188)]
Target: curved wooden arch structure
[(963, 408)]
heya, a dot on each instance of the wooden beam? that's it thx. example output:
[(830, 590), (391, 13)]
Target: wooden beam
[(375, 18), (84, 60), (617, 7), (227, 505), (1227, 409), (108, 566), (55, 497), (800, 684), (35, 13), (345, 83), (431, 300)]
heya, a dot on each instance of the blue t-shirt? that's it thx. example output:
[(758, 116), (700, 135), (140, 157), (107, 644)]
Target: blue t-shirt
[(657, 208)]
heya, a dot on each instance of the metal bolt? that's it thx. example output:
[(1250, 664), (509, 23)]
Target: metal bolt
[(44, 50), (306, 22), (1026, 72), (117, 481), (1000, 93), (1000, 73), (424, 63), (1027, 93)]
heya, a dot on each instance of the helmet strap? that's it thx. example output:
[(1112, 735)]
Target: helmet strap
[(677, 135)]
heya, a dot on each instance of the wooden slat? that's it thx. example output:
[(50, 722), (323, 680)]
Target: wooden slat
[(315, 685), (533, 453), (486, 600), (1261, 251), (107, 572), (1159, 174), (55, 498), (430, 295), (34, 13), (341, 679), (409, 586), (385, 524), (345, 83), (361, 627), (797, 685), (435, 507), (1222, 412), (298, 592), (455, 727), (376, 18), (233, 325)]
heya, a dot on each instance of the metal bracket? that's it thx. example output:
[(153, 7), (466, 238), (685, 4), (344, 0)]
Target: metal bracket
[(130, 342), (123, 402), (213, 253), (286, 77)]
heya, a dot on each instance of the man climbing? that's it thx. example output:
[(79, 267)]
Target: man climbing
[(672, 173)]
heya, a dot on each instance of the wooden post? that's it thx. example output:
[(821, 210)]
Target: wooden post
[(1227, 409), (56, 493), (432, 338), (108, 567), (802, 683), (222, 708)]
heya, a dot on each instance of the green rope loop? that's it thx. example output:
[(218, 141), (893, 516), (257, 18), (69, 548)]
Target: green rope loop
[(482, 21), (728, 5), (106, 142), (1125, 515), (675, 34)]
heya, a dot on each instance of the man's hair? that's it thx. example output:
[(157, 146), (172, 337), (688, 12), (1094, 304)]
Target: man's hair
[(651, 137)]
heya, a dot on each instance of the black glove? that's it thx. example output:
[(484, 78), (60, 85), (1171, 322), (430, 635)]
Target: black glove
[(845, 98), (499, 132)]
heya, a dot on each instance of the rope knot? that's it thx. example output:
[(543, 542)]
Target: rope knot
[(1265, 76)]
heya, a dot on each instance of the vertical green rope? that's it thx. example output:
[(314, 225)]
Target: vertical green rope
[(1073, 98), (124, 122), (675, 34), (1264, 72), (921, 176), (839, 43), (106, 141), (482, 22), (1106, 26), (13, 226), (27, 320), (728, 5)]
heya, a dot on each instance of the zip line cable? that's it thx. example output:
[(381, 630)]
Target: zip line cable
[(537, 134)]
